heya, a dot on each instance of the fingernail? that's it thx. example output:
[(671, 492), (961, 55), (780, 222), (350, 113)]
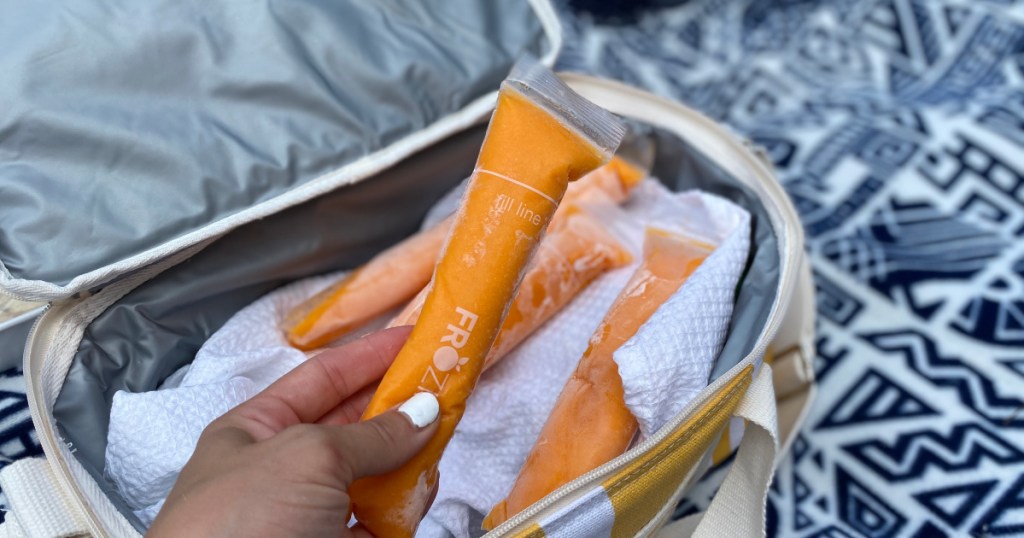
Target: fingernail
[(422, 409)]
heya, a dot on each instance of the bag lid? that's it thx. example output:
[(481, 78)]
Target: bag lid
[(131, 130)]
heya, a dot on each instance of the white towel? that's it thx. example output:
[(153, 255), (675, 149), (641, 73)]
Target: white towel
[(153, 434)]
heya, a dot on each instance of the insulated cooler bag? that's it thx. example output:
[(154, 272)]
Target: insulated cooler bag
[(166, 164)]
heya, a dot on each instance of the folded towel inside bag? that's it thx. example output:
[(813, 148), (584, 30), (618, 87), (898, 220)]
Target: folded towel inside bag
[(152, 434)]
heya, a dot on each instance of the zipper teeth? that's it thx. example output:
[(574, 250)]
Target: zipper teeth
[(42, 336), (564, 490), (46, 437), (35, 324), (570, 487)]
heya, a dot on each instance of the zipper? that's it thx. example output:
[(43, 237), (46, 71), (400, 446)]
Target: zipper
[(40, 337), (573, 486), (563, 493), (35, 327)]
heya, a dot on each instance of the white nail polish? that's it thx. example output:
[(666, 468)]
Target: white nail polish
[(422, 409)]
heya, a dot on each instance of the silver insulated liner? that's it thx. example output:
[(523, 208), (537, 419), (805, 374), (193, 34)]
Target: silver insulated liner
[(130, 129)]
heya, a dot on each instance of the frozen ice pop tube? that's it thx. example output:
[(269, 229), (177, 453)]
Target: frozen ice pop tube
[(395, 275), (576, 250), (541, 137), (383, 283), (590, 423), (612, 182)]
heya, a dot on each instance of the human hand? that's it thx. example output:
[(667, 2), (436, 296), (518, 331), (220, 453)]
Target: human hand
[(281, 463)]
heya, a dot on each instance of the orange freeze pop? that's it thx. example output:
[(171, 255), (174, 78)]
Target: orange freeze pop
[(395, 275), (527, 160), (576, 250), (590, 423), (381, 284), (611, 183)]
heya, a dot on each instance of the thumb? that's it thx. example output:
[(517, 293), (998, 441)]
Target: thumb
[(385, 442)]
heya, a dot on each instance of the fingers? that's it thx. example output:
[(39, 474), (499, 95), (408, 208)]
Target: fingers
[(351, 409), (323, 382), (386, 442)]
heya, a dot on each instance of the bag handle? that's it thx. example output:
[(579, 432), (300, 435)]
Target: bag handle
[(738, 509), (36, 507)]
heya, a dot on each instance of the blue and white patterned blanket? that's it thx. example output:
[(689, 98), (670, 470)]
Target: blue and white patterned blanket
[(897, 126)]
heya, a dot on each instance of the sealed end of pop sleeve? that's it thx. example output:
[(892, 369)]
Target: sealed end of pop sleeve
[(539, 84), (638, 148), (656, 239)]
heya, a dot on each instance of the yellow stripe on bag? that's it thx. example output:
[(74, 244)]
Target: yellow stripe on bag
[(723, 448), (533, 531), (639, 491)]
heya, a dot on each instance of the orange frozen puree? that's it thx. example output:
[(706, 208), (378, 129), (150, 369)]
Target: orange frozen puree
[(576, 250), (396, 274), (527, 160), (612, 182), (383, 283), (609, 184), (590, 423)]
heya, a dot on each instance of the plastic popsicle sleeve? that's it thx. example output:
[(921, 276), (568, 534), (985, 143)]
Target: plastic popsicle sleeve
[(540, 137), (382, 284), (576, 250), (590, 423), (397, 274)]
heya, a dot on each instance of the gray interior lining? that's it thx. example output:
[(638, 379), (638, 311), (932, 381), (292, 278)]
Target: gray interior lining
[(13, 334), (127, 124), (159, 326)]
